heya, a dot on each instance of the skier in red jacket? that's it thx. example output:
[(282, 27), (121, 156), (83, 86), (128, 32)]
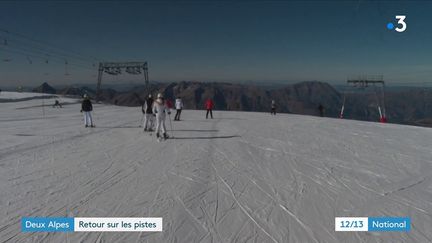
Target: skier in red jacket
[(209, 106), (169, 103)]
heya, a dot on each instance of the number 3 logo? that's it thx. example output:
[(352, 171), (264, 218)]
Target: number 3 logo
[(401, 21)]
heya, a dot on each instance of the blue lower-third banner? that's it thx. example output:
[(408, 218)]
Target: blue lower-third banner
[(389, 224), (401, 224), (58, 224)]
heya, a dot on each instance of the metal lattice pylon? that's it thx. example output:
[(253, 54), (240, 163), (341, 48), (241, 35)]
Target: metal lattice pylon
[(116, 68), (366, 81)]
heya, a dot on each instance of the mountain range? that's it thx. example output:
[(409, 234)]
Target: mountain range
[(408, 106)]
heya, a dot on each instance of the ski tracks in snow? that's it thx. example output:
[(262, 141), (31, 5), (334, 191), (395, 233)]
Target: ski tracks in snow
[(283, 180)]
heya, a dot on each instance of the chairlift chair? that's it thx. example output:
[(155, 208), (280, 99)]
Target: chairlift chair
[(130, 70), (111, 71)]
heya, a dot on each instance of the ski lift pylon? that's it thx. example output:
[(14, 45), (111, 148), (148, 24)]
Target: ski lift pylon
[(115, 68), (364, 82)]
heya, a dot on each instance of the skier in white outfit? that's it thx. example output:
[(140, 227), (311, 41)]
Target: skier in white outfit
[(179, 107), (160, 109)]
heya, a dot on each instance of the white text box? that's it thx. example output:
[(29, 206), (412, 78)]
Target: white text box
[(118, 224)]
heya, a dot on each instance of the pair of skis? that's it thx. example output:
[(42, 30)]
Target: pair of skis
[(172, 134), (161, 138)]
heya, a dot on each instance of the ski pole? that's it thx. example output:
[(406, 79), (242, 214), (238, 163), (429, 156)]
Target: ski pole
[(169, 116), (93, 118), (141, 122)]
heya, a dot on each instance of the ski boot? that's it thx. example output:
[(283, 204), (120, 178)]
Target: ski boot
[(165, 136)]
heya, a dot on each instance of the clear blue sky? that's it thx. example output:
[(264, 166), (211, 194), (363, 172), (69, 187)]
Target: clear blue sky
[(225, 41)]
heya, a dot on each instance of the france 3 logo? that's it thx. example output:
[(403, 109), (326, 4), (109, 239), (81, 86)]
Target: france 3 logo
[(401, 24)]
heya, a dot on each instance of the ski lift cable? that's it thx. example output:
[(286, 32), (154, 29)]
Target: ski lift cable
[(22, 45), (21, 53), (46, 44), (424, 83), (47, 56), (31, 51), (411, 83), (42, 57)]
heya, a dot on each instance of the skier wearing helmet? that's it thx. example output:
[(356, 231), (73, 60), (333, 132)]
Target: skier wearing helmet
[(160, 110)]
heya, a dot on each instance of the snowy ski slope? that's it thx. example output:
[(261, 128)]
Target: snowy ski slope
[(21, 96), (241, 177)]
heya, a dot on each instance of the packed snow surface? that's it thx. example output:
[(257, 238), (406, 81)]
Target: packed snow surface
[(9, 95), (240, 177)]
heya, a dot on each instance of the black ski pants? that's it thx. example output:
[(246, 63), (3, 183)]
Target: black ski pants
[(177, 115), (211, 113)]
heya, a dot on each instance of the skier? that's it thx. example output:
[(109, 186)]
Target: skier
[(168, 103), (57, 104), (321, 110), (179, 107), (87, 107), (273, 108), (160, 109), (209, 107), (147, 110)]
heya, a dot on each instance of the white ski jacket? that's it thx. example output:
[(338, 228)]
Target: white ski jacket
[(159, 108), (178, 104)]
